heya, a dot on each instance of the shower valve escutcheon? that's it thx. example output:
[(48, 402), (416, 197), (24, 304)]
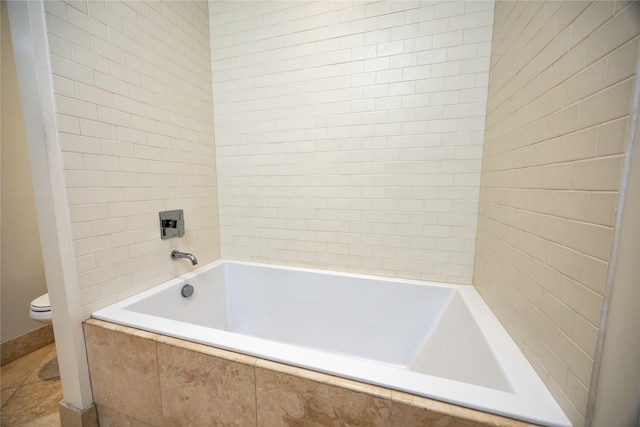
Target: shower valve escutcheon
[(178, 255), (171, 224)]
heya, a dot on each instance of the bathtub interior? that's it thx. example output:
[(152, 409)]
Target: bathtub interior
[(458, 350), (207, 306), (345, 315), (423, 328)]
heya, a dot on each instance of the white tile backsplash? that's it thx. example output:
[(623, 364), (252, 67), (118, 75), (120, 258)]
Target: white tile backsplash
[(133, 97), (346, 122)]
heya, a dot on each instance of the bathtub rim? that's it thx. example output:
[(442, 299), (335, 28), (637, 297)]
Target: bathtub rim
[(531, 400)]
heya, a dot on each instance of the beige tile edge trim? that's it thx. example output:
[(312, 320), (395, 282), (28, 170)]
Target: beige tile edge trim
[(122, 329), (208, 350), (324, 378), (455, 411)]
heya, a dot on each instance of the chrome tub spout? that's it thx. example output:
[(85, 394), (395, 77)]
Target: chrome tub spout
[(178, 254)]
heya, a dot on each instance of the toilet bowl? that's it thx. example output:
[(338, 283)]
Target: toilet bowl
[(41, 309)]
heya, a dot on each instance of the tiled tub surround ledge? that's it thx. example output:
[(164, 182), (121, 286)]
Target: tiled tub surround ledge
[(141, 378), (386, 348)]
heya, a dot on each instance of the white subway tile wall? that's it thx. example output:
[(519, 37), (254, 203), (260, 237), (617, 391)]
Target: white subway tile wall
[(349, 134), (132, 84), (560, 92)]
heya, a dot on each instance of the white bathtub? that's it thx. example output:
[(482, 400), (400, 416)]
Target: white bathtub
[(433, 340)]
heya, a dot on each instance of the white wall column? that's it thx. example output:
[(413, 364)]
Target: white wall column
[(28, 31)]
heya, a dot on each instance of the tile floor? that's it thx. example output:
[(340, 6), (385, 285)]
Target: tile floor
[(31, 390)]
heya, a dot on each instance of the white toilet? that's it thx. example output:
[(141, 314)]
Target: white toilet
[(41, 309)]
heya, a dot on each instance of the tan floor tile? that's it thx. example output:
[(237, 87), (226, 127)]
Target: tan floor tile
[(32, 403), (47, 369), (49, 420), (14, 373), (7, 393)]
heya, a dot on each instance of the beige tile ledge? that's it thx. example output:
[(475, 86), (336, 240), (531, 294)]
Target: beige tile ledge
[(123, 329), (323, 378), (208, 350), (473, 416)]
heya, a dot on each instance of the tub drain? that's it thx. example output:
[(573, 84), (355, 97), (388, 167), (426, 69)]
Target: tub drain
[(187, 291)]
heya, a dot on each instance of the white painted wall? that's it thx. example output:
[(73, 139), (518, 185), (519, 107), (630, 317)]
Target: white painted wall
[(22, 273)]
